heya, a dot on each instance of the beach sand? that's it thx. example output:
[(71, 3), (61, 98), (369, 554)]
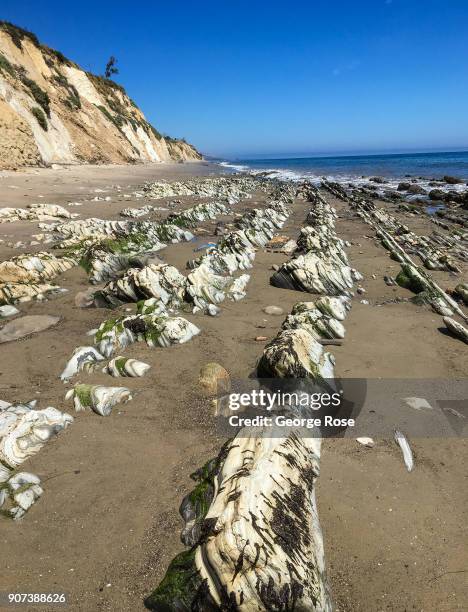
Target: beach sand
[(107, 524)]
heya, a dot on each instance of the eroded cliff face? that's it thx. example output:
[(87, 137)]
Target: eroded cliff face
[(52, 111)]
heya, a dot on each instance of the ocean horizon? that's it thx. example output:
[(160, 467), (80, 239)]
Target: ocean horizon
[(427, 165)]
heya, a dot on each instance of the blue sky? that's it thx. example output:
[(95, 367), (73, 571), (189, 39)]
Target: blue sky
[(250, 78)]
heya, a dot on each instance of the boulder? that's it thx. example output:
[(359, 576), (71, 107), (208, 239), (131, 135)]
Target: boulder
[(453, 180), (437, 194), (416, 189)]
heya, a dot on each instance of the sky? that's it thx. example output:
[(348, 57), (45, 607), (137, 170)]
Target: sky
[(250, 78)]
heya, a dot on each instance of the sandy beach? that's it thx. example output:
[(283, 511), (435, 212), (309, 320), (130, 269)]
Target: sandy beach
[(107, 525)]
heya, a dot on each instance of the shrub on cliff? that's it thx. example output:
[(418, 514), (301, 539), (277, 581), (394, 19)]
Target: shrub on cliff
[(18, 34), (41, 96), (41, 118), (5, 66)]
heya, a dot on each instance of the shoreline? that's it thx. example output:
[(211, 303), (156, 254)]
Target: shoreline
[(113, 485)]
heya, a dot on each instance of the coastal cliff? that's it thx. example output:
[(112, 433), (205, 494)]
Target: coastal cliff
[(52, 111)]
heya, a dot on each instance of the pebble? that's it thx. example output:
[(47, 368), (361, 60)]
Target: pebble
[(273, 310), (84, 299), (261, 338), (213, 310), (365, 441), (360, 290)]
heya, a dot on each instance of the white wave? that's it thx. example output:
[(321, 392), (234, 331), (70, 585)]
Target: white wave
[(237, 167), (391, 183)]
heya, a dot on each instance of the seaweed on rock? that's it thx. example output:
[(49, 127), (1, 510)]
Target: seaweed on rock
[(155, 330), (18, 494), (124, 366), (97, 397), (259, 544)]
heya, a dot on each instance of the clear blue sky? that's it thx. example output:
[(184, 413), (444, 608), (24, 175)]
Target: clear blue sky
[(239, 78)]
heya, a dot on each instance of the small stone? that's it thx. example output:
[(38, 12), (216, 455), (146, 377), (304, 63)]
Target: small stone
[(418, 403), (213, 310), (273, 310), (84, 299), (261, 338), (275, 267), (364, 302), (365, 441), (360, 290)]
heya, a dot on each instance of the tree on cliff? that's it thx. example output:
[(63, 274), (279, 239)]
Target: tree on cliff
[(110, 67)]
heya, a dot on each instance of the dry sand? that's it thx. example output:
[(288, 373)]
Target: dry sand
[(107, 525)]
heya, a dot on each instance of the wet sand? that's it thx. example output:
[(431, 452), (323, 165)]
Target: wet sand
[(107, 524)]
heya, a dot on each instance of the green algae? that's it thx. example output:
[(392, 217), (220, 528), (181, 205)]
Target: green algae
[(177, 589)]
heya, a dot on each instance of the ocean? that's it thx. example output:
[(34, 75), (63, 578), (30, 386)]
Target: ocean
[(353, 167)]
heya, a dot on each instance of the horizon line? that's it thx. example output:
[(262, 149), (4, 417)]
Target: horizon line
[(325, 155)]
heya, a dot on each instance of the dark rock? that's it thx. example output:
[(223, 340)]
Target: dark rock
[(403, 186), (453, 180), (437, 194), (393, 195), (377, 179), (220, 228), (453, 196), (416, 189)]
